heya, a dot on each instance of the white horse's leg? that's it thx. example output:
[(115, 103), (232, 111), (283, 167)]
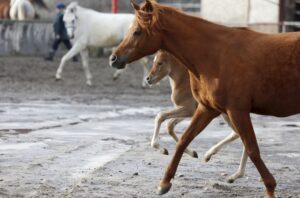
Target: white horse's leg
[(171, 125), (13, 12), (85, 62), (241, 171), (22, 10), (71, 53), (160, 118), (216, 148)]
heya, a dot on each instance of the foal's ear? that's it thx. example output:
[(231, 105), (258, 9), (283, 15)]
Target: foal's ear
[(134, 5), (149, 6)]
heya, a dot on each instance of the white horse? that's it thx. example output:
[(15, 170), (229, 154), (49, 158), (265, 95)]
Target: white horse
[(88, 28), (21, 10)]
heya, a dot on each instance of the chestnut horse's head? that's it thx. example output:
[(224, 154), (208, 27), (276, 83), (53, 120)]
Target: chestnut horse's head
[(160, 69), (142, 38)]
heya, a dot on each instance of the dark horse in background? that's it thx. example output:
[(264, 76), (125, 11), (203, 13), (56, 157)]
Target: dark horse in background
[(5, 7), (233, 71)]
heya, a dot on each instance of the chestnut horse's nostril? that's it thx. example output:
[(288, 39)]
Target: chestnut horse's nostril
[(113, 58), (148, 79)]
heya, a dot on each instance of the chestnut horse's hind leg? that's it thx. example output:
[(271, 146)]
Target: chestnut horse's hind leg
[(201, 119), (171, 125), (180, 112), (242, 123)]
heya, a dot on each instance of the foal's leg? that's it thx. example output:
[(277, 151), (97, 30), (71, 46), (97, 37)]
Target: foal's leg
[(85, 63), (118, 73), (216, 148), (71, 53), (241, 171), (144, 61), (201, 119), (233, 136), (180, 112), (171, 125), (242, 123)]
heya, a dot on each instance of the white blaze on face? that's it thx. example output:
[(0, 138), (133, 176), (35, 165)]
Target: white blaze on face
[(155, 58)]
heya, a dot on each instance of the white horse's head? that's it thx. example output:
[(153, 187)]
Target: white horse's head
[(70, 19)]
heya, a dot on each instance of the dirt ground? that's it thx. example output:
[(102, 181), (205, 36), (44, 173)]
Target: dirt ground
[(64, 139)]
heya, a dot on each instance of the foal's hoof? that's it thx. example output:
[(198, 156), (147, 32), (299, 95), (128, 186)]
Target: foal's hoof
[(195, 155), (164, 151), (207, 158), (163, 189), (230, 180)]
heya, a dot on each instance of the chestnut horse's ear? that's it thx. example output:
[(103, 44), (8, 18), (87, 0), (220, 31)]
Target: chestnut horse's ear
[(134, 5), (149, 6)]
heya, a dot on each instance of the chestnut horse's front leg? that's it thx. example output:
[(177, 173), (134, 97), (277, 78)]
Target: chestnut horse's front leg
[(202, 117), (242, 123)]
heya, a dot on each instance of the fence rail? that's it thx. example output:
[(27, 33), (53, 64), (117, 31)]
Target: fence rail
[(33, 38)]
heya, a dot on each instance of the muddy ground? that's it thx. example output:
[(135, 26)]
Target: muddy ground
[(64, 139)]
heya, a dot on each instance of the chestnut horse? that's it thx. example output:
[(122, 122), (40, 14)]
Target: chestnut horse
[(165, 64), (5, 6), (233, 71)]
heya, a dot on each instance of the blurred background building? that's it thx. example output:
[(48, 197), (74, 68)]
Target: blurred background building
[(261, 15)]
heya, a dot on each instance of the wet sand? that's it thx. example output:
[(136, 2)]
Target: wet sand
[(64, 139)]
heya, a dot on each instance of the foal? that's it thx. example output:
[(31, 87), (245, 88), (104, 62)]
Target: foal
[(185, 105)]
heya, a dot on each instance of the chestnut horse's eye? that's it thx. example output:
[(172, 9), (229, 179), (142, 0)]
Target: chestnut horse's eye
[(159, 63), (137, 32)]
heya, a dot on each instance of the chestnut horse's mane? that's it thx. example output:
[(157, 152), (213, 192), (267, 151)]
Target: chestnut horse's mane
[(149, 18)]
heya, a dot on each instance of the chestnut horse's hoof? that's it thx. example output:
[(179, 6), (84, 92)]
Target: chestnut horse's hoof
[(164, 151), (269, 194), (163, 189)]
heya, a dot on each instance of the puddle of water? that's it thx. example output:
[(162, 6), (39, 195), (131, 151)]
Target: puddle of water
[(21, 146)]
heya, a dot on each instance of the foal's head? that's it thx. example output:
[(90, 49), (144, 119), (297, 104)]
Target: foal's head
[(142, 38), (160, 69), (70, 19)]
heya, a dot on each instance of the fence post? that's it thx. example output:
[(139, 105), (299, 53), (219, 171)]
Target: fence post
[(114, 6)]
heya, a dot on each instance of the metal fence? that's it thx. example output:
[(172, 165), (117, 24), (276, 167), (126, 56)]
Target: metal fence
[(33, 38)]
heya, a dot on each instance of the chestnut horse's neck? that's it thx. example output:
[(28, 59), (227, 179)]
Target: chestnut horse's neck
[(188, 38)]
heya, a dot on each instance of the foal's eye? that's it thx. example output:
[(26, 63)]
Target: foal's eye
[(137, 32), (159, 63)]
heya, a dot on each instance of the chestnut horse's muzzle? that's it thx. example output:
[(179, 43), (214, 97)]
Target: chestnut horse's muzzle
[(118, 62)]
